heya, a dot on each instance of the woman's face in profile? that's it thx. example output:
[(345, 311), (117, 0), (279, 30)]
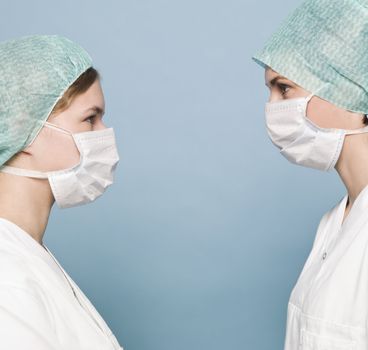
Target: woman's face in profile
[(319, 111), (80, 116), (53, 150)]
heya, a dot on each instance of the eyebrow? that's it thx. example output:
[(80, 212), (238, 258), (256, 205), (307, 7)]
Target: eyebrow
[(275, 80), (97, 109)]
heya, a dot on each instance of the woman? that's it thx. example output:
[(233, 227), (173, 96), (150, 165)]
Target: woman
[(316, 67), (54, 146)]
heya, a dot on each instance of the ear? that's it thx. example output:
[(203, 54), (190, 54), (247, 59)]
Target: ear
[(35, 144), (14, 159), (28, 150)]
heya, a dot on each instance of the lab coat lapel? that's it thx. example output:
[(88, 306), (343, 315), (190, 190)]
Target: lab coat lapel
[(357, 211), (86, 304), (345, 231), (27, 245)]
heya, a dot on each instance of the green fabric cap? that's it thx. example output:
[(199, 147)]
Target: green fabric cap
[(323, 44), (35, 72)]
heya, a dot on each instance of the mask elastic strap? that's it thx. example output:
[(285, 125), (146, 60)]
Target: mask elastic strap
[(33, 173), (309, 97), (314, 93), (357, 131), (23, 172), (57, 128)]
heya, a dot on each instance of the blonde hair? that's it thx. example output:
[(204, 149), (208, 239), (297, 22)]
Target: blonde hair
[(85, 80)]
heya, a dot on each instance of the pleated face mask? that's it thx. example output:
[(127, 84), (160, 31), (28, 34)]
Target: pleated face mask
[(86, 181), (300, 140)]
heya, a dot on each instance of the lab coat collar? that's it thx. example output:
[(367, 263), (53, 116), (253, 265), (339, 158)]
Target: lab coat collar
[(357, 211), (23, 239)]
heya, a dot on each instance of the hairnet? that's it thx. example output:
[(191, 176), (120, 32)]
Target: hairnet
[(323, 44), (35, 72)]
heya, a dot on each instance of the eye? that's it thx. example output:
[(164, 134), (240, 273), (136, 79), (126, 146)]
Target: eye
[(90, 119), (284, 88)]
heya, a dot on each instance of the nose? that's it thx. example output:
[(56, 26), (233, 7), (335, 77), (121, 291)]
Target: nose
[(99, 125), (276, 95), (273, 96)]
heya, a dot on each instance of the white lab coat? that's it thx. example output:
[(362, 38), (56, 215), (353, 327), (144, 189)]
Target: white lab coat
[(328, 306), (38, 308)]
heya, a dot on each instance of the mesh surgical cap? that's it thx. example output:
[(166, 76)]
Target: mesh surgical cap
[(35, 72), (323, 44)]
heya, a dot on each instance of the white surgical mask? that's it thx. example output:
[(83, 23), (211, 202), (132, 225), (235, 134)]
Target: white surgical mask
[(300, 140), (86, 181)]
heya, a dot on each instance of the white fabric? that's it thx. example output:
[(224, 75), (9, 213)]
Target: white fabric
[(38, 308), (328, 306)]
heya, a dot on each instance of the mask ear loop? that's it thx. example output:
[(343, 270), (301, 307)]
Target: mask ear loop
[(23, 172), (33, 173), (313, 93), (309, 97), (51, 126), (57, 128), (357, 131)]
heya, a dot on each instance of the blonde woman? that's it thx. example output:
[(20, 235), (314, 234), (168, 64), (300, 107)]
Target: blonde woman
[(54, 146), (316, 68)]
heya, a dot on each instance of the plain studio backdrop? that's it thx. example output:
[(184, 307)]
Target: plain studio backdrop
[(200, 240)]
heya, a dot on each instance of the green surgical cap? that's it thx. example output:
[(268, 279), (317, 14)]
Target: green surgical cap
[(35, 72), (323, 44)]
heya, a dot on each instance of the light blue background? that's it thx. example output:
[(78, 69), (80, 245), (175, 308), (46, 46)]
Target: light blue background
[(200, 241)]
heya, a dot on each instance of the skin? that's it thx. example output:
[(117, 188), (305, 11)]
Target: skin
[(26, 201), (352, 165)]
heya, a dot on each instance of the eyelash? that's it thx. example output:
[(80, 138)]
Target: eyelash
[(282, 88), (91, 117)]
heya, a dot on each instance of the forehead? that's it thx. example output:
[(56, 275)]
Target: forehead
[(271, 77), (92, 96), (270, 74)]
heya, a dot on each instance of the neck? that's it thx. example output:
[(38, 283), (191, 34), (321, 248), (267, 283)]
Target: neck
[(352, 165), (26, 202)]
